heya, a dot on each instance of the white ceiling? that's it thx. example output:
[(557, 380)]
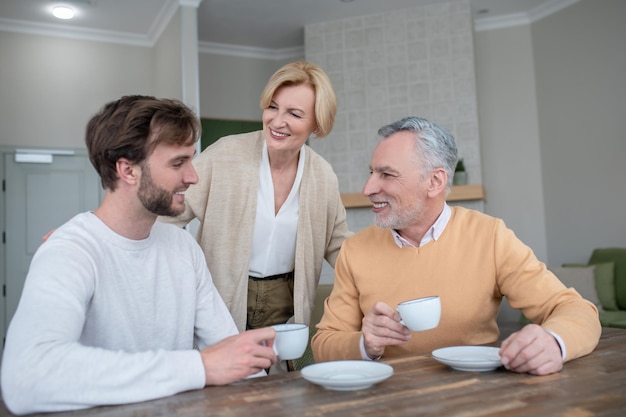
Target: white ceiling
[(263, 24)]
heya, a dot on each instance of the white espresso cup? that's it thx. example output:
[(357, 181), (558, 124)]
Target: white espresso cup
[(291, 340), (420, 313)]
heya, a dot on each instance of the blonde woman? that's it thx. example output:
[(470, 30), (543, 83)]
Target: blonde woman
[(269, 206)]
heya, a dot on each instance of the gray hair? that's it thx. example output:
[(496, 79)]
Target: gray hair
[(435, 147)]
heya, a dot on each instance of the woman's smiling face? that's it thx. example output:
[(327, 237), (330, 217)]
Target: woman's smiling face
[(289, 120)]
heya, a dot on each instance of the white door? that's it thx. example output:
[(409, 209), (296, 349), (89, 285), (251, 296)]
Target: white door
[(39, 196)]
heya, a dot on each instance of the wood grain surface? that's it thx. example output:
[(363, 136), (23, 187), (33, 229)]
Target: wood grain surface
[(594, 385)]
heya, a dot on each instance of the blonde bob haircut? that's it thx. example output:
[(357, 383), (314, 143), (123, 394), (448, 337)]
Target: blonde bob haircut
[(304, 72)]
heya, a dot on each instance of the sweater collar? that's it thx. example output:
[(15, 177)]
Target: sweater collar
[(433, 233)]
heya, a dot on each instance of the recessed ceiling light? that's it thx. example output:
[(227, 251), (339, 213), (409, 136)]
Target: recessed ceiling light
[(63, 12)]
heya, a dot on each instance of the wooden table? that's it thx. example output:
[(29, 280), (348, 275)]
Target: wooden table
[(591, 386)]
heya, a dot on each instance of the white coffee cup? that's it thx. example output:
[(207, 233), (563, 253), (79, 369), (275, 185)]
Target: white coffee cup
[(420, 313), (291, 340)]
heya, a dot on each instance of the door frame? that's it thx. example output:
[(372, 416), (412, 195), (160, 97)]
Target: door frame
[(3, 265)]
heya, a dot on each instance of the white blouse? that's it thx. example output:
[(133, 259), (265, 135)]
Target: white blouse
[(274, 241)]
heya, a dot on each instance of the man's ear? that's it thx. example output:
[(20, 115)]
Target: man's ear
[(127, 171), (438, 182)]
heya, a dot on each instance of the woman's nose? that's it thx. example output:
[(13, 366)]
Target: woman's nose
[(279, 120)]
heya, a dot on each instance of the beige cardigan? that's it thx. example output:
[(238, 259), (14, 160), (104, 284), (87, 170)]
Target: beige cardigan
[(224, 200)]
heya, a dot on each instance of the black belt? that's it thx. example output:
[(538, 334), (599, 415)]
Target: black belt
[(286, 276)]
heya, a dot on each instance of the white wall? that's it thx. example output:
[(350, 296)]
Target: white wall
[(230, 87), (509, 133), (167, 61), (412, 62), (552, 105), (580, 68), (50, 87)]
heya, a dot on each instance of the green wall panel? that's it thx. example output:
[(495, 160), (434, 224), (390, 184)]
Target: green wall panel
[(213, 129)]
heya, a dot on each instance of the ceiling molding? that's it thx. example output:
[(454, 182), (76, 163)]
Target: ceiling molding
[(171, 7), (68, 32), (551, 7), (162, 20), (518, 19), (96, 35), (191, 3), (250, 51), (501, 22)]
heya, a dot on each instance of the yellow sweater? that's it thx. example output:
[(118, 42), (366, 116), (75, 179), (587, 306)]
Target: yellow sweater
[(475, 262)]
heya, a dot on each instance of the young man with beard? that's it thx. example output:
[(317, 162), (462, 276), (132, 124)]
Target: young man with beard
[(114, 303), (420, 246)]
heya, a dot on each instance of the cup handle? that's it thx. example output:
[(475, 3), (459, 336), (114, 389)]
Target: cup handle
[(273, 346), (401, 321)]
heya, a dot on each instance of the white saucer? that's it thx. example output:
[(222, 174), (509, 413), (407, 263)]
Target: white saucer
[(347, 375), (469, 358)]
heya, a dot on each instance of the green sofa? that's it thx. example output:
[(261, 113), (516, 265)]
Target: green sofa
[(605, 284), (610, 283)]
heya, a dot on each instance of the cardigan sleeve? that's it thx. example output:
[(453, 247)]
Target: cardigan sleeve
[(339, 231)]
